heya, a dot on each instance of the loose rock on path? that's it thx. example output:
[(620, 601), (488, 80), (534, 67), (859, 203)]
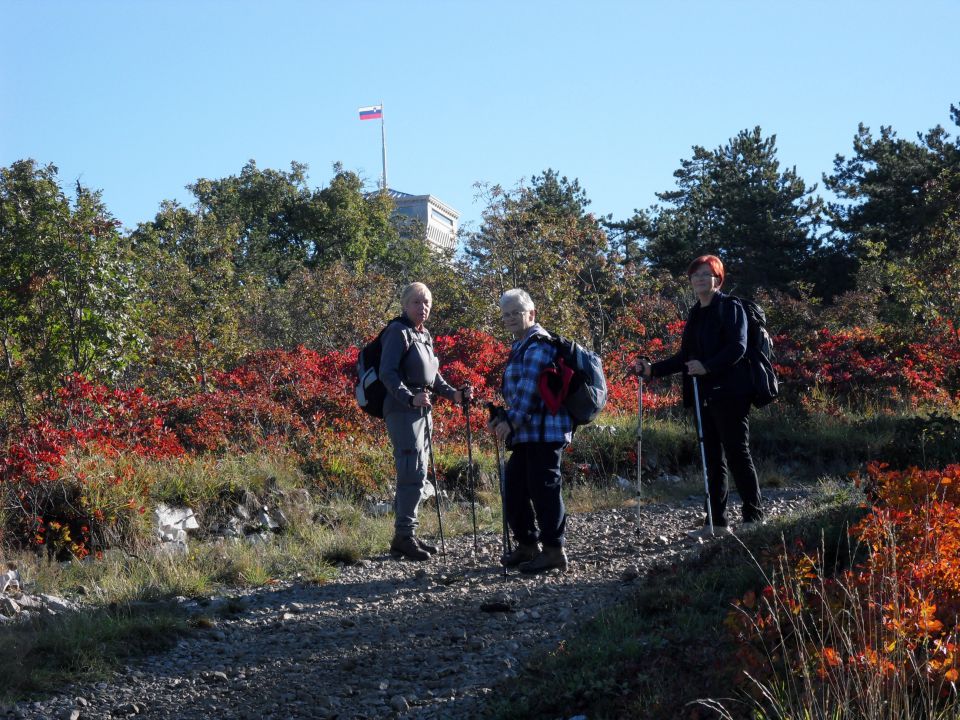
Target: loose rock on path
[(392, 639)]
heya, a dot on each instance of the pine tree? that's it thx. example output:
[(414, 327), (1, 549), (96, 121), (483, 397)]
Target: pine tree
[(737, 203)]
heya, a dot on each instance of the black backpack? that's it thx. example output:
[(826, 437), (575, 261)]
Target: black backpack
[(574, 380), (369, 389), (766, 386)]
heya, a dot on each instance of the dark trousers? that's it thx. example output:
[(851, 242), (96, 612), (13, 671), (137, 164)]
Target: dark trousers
[(533, 501), (726, 443)]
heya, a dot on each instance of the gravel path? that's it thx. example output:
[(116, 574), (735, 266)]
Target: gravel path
[(392, 639)]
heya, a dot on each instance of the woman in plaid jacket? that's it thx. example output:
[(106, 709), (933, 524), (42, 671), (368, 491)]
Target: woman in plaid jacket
[(533, 502)]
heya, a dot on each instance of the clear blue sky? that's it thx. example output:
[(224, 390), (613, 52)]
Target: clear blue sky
[(140, 98)]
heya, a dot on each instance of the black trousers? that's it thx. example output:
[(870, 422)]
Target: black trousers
[(726, 443), (533, 502)]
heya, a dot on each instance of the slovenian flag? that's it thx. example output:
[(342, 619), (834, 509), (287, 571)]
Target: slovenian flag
[(371, 113)]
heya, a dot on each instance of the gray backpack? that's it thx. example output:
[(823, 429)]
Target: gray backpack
[(574, 380)]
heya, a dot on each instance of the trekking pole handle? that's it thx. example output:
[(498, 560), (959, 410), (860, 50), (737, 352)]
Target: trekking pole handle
[(426, 399), (632, 370), (499, 415), (496, 412)]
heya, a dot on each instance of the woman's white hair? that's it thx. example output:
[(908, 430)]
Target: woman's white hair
[(412, 289), (517, 297)]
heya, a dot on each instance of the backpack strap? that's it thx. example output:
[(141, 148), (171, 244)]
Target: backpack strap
[(544, 336)]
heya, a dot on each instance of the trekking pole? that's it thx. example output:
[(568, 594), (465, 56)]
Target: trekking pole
[(473, 486), (703, 452), (507, 549), (505, 538), (639, 445), (639, 439), (436, 483)]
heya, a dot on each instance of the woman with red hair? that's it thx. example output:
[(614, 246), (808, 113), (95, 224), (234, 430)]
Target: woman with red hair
[(713, 350)]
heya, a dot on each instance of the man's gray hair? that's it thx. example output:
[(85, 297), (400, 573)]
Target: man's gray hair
[(412, 289), (517, 297)]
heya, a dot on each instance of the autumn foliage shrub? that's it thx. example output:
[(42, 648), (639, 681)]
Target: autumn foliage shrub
[(69, 482), (272, 396), (872, 365), (654, 335), (879, 639), (65, 475), (58, 467)]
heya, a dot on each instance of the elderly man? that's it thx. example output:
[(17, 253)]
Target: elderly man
[(533, 502), (410, 373)]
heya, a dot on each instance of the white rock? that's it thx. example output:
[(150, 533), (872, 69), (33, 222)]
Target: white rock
[(267, 521), (379, 508), (10, 580), (427, 491), (58, 604), (173, 548)]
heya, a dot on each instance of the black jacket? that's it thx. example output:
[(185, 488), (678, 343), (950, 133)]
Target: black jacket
[(716, 336)]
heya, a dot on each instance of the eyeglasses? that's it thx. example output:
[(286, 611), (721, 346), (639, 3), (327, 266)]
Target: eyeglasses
[(702, 275), (511, 314)]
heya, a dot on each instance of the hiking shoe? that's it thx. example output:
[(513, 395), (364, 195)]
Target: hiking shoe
[(749, 525), (521, 553), (432, 549), (548, 559), (407, 547), (704, 533)]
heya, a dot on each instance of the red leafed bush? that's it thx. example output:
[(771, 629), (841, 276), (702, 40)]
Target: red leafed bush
[(657, 336), (872, 364), (51, 505), (303, 400), (286, 396), (272, 396), (474, 358)]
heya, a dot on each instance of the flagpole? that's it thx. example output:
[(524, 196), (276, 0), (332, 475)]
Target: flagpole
[(383, 145)]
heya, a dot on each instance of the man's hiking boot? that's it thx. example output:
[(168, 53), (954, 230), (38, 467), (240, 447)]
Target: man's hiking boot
[(432, 549), (548, 559), (704, 533), (521, 553), (407, 547)]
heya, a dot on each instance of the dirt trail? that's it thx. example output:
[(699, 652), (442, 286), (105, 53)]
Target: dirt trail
[(391, 639)]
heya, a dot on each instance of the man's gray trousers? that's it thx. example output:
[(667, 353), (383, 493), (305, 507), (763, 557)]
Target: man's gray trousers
[(408, 432)]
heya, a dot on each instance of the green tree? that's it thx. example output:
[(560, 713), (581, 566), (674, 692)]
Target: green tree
[(539, 237), (919, 282), (280, 225), (735, 202), (264, 261), (66, 284), (32, 208), (196, 300), (896, 201), (266, 213), (355, 227)]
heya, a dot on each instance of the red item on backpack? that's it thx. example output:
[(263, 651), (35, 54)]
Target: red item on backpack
[(554, 385)]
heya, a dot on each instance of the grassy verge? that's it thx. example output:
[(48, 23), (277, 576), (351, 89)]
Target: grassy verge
[(41, 656), (668, 647), (792, 446)]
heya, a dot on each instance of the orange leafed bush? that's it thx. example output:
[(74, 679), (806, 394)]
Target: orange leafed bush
[(892, 619)]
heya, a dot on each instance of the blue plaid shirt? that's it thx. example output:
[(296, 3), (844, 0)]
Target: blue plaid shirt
[(530, 419)]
